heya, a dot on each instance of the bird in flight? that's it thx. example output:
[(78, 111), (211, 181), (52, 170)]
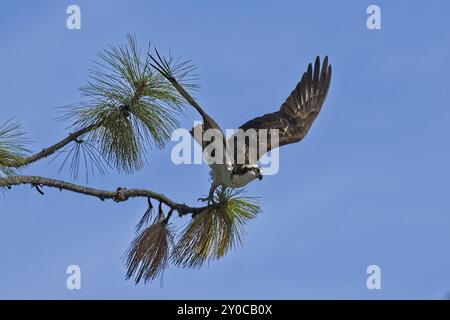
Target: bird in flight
[(290, 124)]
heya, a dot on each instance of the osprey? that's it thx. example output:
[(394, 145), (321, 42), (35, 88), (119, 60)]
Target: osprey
[(291, 122)]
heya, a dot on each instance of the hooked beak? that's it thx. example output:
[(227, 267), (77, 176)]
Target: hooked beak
[(260, 177)]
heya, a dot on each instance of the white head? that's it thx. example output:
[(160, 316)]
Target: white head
[(253, 170), (245, 175)]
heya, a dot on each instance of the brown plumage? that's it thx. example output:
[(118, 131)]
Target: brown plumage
[(293, 120), (241, 153), (297, 113)]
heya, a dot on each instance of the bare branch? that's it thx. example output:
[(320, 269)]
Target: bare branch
[(52, 149), (120, 195)]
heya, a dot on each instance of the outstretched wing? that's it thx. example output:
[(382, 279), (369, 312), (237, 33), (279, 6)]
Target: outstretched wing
[(163, 66), (295, 117)]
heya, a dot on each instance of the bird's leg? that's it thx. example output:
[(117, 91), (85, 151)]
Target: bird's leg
[(210, 197)]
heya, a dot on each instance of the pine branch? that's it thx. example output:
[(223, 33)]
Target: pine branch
[(120, 195), (132, 108), (57, 146), (129, 108)]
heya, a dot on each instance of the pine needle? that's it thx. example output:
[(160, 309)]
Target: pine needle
[(215, 231), (133, 107), (148, 215), (82, 156), (148, 255), (12, 147)]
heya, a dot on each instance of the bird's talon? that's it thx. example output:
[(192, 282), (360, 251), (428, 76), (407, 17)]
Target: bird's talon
[(203, 199)]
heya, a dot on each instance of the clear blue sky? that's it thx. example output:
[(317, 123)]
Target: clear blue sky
[(369, 185)]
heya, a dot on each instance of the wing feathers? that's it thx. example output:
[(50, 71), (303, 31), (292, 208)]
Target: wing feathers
[(300, 109), (163, 66), (293, 120)]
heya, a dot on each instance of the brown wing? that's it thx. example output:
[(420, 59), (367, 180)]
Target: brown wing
[(163, 67), (296, 115)]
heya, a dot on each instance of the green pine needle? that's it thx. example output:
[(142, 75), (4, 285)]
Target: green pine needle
[(132, 107), (12, 148), (215, 231)]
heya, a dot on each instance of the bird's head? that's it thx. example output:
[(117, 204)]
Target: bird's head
[(254, 170)]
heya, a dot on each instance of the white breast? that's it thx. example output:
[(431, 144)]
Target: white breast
[(221, 174), (242, 180)]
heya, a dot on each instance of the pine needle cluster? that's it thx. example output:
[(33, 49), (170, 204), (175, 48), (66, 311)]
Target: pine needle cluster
[(210, 235)]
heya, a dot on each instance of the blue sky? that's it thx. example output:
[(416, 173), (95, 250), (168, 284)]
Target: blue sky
[(369, 185)]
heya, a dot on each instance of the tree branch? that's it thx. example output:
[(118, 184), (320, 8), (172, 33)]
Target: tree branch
[(120, 195), (52, 149), (138, 94)]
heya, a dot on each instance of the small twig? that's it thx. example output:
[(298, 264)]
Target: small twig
[(166, 220), (37, 187)]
